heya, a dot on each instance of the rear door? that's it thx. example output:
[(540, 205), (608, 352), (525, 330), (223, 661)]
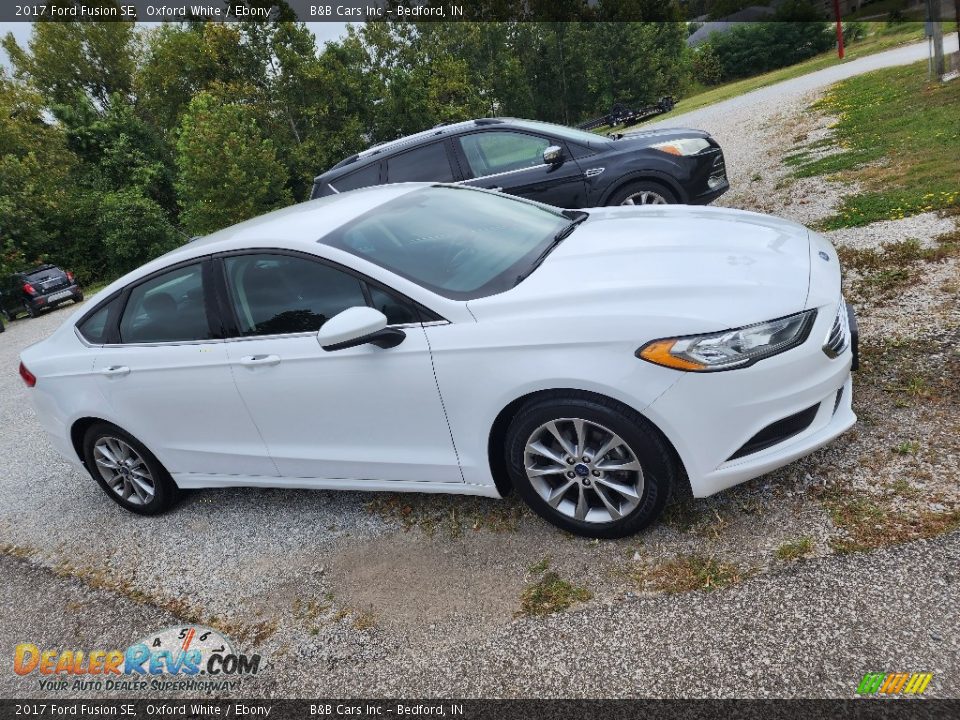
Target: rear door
[(511, 161), (168, 381)]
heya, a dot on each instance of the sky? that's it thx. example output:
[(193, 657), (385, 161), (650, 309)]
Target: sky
[(21, 31)]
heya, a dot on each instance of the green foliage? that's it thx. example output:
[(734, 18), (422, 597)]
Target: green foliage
[(227, 170), (894, 115), (707, 69), (134, 229), (754, 48)]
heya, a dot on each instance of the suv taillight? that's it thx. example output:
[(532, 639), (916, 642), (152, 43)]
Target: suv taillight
[(69, 276), (28, 377), (28, 288)]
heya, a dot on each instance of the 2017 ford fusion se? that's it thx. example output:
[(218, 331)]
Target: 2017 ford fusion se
[(446, 339)]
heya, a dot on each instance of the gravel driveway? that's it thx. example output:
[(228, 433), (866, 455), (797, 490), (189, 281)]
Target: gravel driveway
[(352, 594)]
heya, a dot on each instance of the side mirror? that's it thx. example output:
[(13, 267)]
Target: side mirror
[(553, 155), (358, 326)]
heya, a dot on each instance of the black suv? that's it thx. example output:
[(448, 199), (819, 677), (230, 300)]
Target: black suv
[(43, 287), (549, 163)]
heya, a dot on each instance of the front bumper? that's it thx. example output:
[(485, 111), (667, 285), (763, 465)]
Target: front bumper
[(711, 417)]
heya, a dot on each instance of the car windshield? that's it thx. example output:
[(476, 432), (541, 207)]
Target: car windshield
[(567, 133), (459, 243)]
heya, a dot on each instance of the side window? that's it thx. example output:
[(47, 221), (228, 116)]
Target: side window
[(364, 177), (500, 151), (167, 308), (425, 164), (279, 294), (96, 328), (398, 312)]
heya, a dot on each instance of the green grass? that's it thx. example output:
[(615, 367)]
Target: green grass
[(880, 38), (549, 595), (898, 137), (794, 550), (688, 573)]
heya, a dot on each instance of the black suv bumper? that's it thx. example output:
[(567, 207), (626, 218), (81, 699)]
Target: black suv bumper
[(55, 297)]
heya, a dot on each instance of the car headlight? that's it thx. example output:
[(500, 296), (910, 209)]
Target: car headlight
[(683, 146), (731, 348)]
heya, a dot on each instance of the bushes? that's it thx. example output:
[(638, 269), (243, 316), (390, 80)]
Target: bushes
[(755, 48)]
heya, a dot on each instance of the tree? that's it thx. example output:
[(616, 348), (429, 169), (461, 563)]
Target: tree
[(227, 170), (35, 166), (67, 59)]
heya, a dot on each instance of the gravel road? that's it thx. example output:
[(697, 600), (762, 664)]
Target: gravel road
[(353, 594)]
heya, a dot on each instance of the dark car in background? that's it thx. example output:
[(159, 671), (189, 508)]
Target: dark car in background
[(553, 164), (35, 290)]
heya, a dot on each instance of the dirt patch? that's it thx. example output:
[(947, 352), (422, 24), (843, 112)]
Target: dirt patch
[(403, 582)]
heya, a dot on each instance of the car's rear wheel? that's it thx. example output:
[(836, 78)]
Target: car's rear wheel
[(643, 193), (127, 471), (29, 309), (589, 465)]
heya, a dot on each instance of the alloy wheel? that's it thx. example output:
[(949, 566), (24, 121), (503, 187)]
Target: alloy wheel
[(645, 197), (583, 470), (124, 470)]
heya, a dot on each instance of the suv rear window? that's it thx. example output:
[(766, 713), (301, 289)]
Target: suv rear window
[(364, 177), (424, 164)]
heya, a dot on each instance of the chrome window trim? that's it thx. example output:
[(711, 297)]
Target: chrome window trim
[(241, 338)]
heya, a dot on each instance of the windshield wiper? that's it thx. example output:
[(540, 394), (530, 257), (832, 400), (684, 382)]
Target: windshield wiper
[(578, 217)]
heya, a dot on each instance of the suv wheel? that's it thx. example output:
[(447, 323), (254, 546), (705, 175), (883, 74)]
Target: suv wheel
[(589, 466), (127, 471), (30, 309), (643, 193)]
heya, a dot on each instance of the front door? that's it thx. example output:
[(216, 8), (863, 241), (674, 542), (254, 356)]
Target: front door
[(512, 162), (363, 413)]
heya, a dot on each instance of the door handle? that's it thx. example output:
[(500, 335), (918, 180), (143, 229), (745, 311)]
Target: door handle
[(116, 370), (260, 360)]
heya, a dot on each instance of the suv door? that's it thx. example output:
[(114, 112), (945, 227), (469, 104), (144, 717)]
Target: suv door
[(512, 162), (167, 380), (362, 413)]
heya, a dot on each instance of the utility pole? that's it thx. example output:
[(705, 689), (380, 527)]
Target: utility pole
[(935, 32)]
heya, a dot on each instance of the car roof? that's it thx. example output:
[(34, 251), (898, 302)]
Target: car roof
[(411, 140), (301, 223)]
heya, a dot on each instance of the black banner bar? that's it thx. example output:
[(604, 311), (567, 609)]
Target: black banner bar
[(201, 709), (349, 10)]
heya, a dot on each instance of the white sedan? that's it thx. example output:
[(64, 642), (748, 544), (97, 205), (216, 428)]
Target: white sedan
[(443, 339)]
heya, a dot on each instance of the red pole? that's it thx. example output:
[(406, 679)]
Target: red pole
[(836, 14)]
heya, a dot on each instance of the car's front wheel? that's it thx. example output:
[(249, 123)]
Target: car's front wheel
[(127, 471), (589, 465), (643, 193)]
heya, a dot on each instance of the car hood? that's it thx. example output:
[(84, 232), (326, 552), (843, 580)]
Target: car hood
[(639, 138), (697, 269)]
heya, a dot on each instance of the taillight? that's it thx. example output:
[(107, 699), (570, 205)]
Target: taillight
[(28, 377), (69, 276), (28, 288)]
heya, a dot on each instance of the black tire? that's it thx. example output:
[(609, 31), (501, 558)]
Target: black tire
[(30, 309), (659, 469), (6, 315), (644, 186), (166, 493)]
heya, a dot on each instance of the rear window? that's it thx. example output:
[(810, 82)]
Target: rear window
[(97, 328), (364, 177), (425, 164)]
